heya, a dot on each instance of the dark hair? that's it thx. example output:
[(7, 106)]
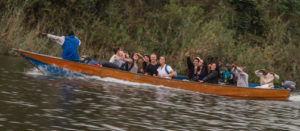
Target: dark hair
[(217, 68), (71, 33), (132, 55), (116, 49), (266, 68), (204, 67), (163, 57), (146, 55)]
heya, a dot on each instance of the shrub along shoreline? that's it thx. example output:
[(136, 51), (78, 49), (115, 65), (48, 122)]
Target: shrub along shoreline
[(249, 33)]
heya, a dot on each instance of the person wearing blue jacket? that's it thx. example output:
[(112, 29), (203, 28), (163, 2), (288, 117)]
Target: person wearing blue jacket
[(69, 45), (226, 75)]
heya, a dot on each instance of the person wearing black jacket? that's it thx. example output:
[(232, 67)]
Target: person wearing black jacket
[(203, 72), (213, 76), (192, 67), (151, 69)]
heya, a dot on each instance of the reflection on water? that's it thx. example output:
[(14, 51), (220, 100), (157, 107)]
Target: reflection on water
[(31, 100)]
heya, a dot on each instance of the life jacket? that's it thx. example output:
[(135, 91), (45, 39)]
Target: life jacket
[(69, 48), (226, 76)]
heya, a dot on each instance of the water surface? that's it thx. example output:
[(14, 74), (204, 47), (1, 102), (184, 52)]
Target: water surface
[(31, 100)]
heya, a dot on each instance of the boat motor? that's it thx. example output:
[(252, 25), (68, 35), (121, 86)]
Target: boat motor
[(290, 85)]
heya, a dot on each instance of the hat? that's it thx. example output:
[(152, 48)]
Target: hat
[(198, 58)]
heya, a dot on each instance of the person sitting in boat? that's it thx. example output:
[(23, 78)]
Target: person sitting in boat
[(69, 45), (213, 76), (116, 58), (164, 70), (119, 58), (203, 72), (152, 67), (234, 79), (145, 63), (226, 75), (241, 76), (193, 67), (197, 69), (133, 67), (127, 61), (266, 78)]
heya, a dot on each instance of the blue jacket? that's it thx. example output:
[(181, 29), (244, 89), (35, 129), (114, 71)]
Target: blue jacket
[(69, 48), (226, 76)]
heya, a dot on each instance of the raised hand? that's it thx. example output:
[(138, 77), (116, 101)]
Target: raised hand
[(139, 54), (43, 34), (187, 54)]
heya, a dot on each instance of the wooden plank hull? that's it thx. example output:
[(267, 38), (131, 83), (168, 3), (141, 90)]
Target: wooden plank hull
[(221, 90)]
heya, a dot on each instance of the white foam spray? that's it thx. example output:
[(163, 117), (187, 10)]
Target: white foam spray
[(34, 72), (109, 79), (37, 72), (295, 97)]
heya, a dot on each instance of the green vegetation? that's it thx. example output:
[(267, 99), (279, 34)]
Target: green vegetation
[(252, 33)]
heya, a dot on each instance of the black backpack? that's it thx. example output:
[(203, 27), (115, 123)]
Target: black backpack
[(125, 66)]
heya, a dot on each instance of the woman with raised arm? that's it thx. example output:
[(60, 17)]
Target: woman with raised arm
[(145, 62), (193, 67), (133, 67)]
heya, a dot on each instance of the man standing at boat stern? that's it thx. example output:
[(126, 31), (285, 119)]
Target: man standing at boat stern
[(69, 45)]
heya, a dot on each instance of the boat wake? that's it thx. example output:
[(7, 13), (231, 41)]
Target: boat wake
[(36, 72), (294, 97), (57, 72), (109, 79)]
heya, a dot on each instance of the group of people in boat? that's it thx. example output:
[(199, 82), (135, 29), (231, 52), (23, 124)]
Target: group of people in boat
[(198, 69), (150, 66), (229, 74)]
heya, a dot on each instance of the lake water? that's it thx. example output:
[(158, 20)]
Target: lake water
[(31, 100)]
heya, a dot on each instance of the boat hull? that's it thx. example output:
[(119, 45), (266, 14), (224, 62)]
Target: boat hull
[(222, 90)]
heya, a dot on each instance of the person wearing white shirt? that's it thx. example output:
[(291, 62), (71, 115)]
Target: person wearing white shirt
[(266, 78), (241, 76), (120, 58), (116, 58), (164, 70)]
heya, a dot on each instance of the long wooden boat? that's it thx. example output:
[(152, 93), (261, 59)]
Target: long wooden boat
[(58, 65)]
